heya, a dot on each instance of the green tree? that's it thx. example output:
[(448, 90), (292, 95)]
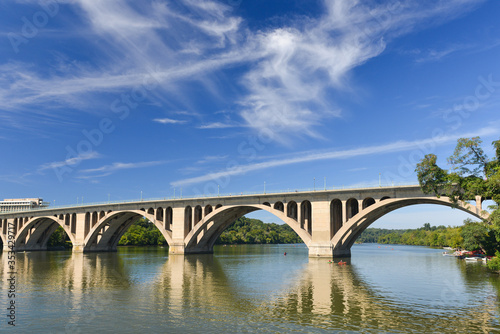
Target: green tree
[(473, 174), (59, 239), (253, 231), (494, 263), (142, 233)]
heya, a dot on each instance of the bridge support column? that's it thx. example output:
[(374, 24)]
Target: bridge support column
[(79, 244), (320, 245), (479, 204), (342, 252), (176, 249), (317, 250), (78, 247), (178, 232)]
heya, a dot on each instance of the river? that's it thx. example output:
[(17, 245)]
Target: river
[(251, 289)]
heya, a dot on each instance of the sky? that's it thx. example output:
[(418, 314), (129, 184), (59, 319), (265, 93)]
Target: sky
[(114, 100)]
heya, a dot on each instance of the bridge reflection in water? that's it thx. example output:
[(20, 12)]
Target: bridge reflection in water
[(258, 291)]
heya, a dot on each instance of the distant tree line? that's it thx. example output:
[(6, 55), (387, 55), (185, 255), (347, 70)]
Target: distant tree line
[(433, 236), (253, 231), (142, 233)]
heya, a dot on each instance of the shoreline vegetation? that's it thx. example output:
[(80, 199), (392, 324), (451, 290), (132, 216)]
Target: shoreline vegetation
[(431, 236)]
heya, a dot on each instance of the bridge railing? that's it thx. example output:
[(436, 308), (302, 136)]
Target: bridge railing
[(244, 193)]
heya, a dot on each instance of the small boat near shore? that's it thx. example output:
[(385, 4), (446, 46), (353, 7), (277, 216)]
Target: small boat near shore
[(473, 259)]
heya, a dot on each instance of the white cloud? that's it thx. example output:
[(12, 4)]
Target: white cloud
[(212, 158), (116, 166), (437, 55), (303, 157), (69, 162), (290, 70), (288, 88), (216, 125), (169, 121)]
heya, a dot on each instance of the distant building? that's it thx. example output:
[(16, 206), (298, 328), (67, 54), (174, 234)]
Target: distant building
[(22, 204)]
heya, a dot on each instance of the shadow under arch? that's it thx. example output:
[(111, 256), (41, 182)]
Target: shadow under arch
[(35, 234), (343, 240), (203, 236), (107, 232)]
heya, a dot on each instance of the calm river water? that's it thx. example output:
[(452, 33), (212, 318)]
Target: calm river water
[(252, 289)]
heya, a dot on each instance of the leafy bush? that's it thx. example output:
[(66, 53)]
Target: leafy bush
[(494, 263)]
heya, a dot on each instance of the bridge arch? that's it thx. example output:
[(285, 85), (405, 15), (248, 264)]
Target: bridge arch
[(343, 240), (107, 232), (35, 233), (203, 236)]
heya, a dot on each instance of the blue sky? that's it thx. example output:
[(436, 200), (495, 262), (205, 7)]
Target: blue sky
[(108, 99)]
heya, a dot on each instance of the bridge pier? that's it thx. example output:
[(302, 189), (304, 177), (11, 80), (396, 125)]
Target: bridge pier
[(341, 252), (176, 249), (328, 251), (320, 250), (78, 247), (180, 249)]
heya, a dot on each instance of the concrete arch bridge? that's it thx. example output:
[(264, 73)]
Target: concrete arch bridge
[(327, 221)]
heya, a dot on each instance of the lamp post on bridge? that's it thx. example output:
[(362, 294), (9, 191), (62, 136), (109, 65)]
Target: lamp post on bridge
[(264, 187)]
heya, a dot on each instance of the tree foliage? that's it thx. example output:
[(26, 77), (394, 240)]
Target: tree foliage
[(142, 233), (59, 239), (253, 231), (433, 236), (478, 236), (472, 174), (430, 175), (494, 264)]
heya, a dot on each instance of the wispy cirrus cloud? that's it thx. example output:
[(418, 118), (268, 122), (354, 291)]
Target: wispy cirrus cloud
[(289, 72), (73, 161), (303, 157), (218, 125), (169, 121), (212, 158), (116, 166), (424, 56)]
